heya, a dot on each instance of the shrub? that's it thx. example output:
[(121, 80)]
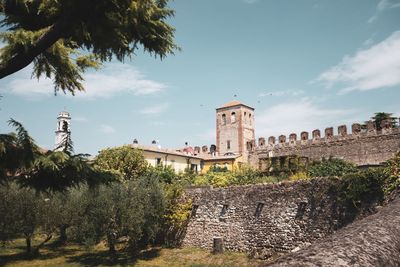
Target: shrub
[(299, 176), (392, 170), (331, 167)]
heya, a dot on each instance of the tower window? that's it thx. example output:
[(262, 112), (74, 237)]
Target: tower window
[(223, 119), (158, 161), (228, 144), (250, 119), (233, 117)]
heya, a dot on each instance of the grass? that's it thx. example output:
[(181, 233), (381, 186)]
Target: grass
[(13, 254)]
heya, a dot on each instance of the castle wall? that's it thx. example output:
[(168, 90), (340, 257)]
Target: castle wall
[(362, 148), (265, 219)]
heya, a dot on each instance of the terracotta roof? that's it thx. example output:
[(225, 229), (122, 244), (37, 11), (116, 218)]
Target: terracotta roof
[(234, 103), (163, 151), (231, 104)]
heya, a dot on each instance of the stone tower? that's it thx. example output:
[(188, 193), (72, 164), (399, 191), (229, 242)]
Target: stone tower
[(63, 129), (235, 128)]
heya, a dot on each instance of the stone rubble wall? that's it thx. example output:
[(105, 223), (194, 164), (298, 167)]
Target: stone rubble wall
[(293, 215), (371, 147), (372, 241)]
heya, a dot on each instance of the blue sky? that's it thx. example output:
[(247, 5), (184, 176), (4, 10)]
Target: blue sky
[(301, 64)]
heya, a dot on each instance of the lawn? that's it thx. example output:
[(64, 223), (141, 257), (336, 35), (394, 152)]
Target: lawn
[(76, 255)]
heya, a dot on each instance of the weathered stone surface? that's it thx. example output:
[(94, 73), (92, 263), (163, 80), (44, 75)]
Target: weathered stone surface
[(372, 241), (264, 219), (361, 148)]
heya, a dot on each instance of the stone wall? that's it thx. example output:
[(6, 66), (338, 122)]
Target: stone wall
[(265, 219), (369, 147), (373, 241)]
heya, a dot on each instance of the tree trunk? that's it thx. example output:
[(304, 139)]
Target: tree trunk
[(47, 239), (63, 235), (28, 244), (111, 246)]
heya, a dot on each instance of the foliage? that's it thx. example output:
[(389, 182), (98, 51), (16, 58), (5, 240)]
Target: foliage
[(365, 186), (331, 167), (165, 174), (23, 161), (381, 116), (392, 170), (245, 174), (216, 168), (217, 179), (65, 38), (132, 210), (299, 176), (127, 161)]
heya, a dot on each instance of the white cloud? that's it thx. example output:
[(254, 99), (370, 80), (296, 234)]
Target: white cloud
[(290, 92), (107, 129), (156, 109), (386, 4), (372, 68), (298, 116), (112, 79)]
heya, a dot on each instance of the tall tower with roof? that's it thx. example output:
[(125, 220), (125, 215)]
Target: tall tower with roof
[(63, 129), (235, 128)]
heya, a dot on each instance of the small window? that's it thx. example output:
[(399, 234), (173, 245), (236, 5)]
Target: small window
[(158, 161), (223, 119), (223, 210), (250, 119), (233, 117), (259, 209), (194, 210), (228, 144)]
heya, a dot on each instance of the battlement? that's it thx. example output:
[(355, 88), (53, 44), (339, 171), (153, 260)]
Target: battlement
[(357, 131)]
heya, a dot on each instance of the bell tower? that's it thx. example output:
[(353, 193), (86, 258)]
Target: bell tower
[(235, 128), (63, 129)]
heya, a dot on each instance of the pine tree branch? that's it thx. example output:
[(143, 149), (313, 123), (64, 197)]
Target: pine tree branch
[(20, 61)]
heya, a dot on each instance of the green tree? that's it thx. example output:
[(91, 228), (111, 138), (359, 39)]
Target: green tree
[(381, 116), (23, 161), (66, 37), (127, 161), (331, 167), (132, 210)]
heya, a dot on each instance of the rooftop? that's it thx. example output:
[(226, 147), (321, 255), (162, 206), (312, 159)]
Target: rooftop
[(233, 104)]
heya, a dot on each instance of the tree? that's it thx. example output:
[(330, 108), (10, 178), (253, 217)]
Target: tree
[(331, 167), (64, 38), (127, 161), (381, 116), (23, 161)]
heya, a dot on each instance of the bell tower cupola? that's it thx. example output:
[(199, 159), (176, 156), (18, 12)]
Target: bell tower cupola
[(63, 129)]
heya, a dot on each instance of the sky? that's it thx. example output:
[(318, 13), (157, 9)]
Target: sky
[(302, 64)]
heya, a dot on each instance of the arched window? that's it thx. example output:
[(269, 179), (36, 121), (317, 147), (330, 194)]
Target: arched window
[(249, 118), (223, 119), (233, 117), (245, 117)]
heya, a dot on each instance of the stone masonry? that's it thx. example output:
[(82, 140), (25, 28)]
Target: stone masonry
[(265, 219), (363, 148), (372, 241)]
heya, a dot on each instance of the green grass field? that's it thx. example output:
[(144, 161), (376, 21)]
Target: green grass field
[(13, 254)]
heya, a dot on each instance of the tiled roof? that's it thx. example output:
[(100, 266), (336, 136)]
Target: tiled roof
[(233, 104), (163, 151)]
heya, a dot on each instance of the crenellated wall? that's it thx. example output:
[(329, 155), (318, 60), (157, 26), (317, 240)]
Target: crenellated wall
[(362, 147), (264, 219)]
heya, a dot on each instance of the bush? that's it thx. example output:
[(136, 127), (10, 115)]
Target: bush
[(392, 170), (299, 176), (331, 167)]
